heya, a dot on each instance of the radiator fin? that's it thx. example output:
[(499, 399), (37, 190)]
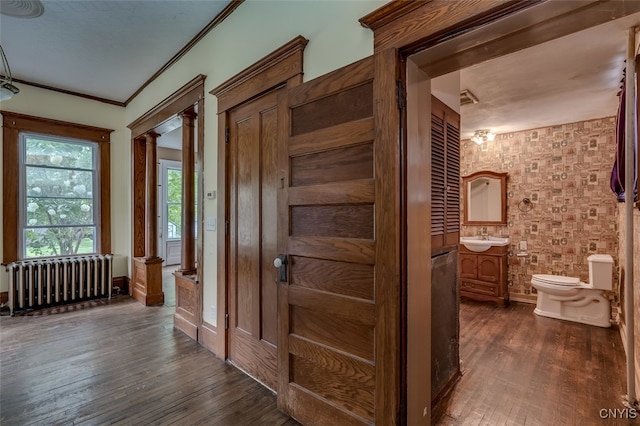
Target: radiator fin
[(36, 284)]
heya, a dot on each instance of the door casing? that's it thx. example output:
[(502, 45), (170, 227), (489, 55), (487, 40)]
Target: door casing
[(281, 68), (460, 34)]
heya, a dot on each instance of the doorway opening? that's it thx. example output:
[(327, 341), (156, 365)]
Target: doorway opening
[(559, 162)]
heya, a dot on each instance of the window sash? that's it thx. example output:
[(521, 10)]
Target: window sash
[(25, 197)]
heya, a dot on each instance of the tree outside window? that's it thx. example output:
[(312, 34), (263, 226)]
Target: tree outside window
[(174, 203), (59, 200)]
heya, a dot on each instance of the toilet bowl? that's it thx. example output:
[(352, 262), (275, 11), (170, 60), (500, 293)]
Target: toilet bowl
[(567, 298)]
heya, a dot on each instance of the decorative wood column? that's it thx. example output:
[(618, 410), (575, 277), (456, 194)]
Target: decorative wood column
[(151, 210), (188, 263), (147, 274), (188, 305)]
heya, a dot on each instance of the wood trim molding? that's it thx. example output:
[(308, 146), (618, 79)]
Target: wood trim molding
[(12, 125), (188, 315), (434, 21), (54, 127), (208, 336), (219, 346), (274, 69), (390, 276), (104, 171), (389, 13), (71, 92), (284, 66), (122, 283), (175, 103), (224, 13), (637, 83)]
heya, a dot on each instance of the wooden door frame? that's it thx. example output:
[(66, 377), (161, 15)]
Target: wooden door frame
[(281, 68), (164, 113), (401, 29)]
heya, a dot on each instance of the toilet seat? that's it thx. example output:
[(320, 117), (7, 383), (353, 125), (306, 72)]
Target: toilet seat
[(555, 280), (557, 289)]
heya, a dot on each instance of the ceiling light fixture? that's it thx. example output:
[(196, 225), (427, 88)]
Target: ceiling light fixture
[(7, 89), (483, 135)]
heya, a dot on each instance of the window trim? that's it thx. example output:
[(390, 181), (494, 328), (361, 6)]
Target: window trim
[(95, 189), (12, 125)]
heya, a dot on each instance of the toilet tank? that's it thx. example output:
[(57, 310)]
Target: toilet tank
[(601, 271)]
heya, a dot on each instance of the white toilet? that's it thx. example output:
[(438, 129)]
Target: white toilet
[(569, 299)]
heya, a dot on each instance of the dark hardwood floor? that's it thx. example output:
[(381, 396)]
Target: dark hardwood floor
[(522, 369), (120, 363)]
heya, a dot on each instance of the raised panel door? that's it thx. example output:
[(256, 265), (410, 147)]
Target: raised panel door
[(489, 268), (468, 266)]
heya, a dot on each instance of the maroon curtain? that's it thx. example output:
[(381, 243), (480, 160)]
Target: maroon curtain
[(618, 172)]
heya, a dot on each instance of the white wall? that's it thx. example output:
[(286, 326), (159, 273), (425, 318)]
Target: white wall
[(58, 106), (447, 89), (251, 32)]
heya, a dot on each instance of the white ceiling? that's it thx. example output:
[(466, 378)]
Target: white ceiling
[(573, 78), (109, 49)]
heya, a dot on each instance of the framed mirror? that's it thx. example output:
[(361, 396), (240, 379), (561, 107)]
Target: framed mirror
[(485, 198)]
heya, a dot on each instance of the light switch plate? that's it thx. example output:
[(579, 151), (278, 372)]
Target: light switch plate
[(210, 224), (523, 245)]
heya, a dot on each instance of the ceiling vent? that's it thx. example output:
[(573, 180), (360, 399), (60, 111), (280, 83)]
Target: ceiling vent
[(22, 8), (467, 98)]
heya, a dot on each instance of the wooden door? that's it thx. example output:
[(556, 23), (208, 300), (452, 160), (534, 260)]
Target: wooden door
[(253, 138), (445, 176), (326, 349)]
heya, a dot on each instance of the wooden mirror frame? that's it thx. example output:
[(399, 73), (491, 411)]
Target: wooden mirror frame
[(502, 177)]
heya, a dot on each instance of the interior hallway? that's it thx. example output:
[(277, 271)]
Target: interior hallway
[(522, 369), (122, 363)]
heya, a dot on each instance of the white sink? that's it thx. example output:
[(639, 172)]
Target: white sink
[(480, 244)]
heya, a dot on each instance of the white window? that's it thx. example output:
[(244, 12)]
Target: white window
[(59, 196)]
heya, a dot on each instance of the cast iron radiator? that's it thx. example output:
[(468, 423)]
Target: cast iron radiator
[(35, 284)]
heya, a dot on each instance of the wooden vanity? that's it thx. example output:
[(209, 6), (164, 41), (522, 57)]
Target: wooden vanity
[(483, 275)]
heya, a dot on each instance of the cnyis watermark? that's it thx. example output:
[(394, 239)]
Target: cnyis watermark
[(619, 413)]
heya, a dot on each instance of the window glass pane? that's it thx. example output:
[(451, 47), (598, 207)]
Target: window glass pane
[(45, 151), (59, 211), (174, 215), (59, 241), (46, 182), (58, 202), (174, 186)]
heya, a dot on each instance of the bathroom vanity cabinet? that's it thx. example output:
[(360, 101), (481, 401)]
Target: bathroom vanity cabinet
[(483, 275)]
